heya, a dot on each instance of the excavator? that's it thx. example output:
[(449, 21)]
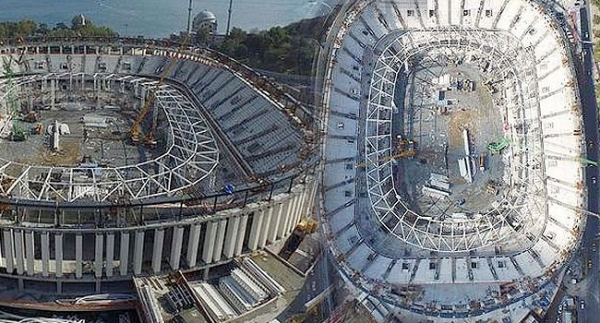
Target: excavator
[(149, 139)]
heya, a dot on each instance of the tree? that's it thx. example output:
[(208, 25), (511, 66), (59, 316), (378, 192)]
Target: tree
[(203, 36), (43, 29), (61, 25)]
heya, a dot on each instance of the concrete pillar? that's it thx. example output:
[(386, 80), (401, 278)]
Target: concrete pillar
[(290, 215), (300, 208), (256, 229), (8, 250), (52, 93), (262, 239), (138, 253), (124, 254), (241, 235), (110, 253), (192, 251), (98, 253), (272, 235), (58, 253), (78, 255), (231, 237), (285, 208), (18, 236), (45, 237), (1, 261), (29, 253), (209, 242), (157, 248), (220, 238), (176, 245)]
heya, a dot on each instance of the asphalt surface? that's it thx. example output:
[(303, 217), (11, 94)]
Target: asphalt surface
[(588, 254)]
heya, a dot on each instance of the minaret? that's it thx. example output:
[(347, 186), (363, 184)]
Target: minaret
[(189, 25), (229, 17)]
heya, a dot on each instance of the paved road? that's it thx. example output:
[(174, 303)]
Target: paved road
[(590, 113)]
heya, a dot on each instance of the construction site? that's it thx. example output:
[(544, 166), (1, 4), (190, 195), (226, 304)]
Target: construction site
[(139, 161), (454, 174), (451, 119)]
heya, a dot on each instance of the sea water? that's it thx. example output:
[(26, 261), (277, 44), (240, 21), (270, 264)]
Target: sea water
[(159, 18)]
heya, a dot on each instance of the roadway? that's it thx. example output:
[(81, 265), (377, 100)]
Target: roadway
[(589, 257)]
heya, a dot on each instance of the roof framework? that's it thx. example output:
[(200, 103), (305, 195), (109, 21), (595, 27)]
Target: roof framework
[(191, 154), (523, 202)]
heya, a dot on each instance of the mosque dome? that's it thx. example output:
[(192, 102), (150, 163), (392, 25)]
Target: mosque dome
[(205, 19)]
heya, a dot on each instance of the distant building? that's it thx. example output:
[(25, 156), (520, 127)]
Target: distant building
[(205, 21), (79, 21)]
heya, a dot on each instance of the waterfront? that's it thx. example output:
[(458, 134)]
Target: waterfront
[(156, 18)]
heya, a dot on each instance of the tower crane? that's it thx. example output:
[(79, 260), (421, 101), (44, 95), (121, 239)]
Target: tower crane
[(135, 127)]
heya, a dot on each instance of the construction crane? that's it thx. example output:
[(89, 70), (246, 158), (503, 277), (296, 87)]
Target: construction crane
[(17, 133), (405, 148), (135, 127)]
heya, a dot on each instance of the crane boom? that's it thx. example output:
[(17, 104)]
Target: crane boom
[(135, 127)]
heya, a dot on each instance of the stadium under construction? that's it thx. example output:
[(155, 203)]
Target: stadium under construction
[(454, 176), (445, 163)]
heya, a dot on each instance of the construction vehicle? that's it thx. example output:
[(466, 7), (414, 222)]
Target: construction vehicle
[(135, 127), (405, 147), (307, 226), (482, 162), (491, 188), (496, 147), (37, 129), (31, 117)]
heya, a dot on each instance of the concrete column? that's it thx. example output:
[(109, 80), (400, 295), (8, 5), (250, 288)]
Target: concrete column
[(52, 93), (99, 251), (110, 253), (58, 253), (262, 239), (192, 251), (8, 250), (272, 236), (78, 255), (209, 242), (157, 248), (45, 237), (2, 262), (300, 208), (138, 253), (19, 251), (285, 208), (290, 215), (231, 237), (176, 245), (29, 253), (124, 254), (241, 235), (220, 238), (255, 230)]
